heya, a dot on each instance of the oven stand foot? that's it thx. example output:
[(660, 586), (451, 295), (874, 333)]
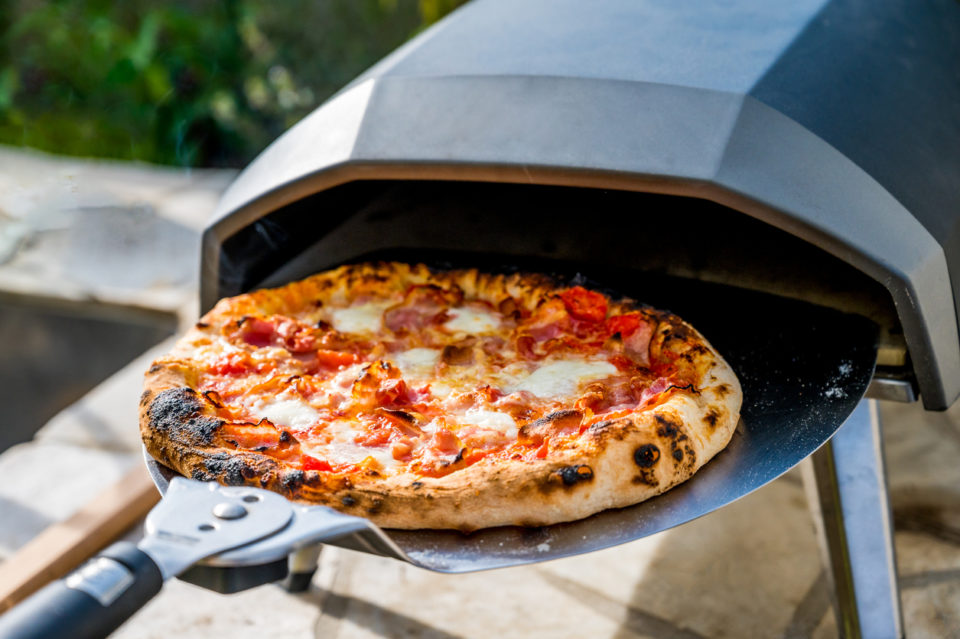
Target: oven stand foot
[(303, 565), (847, 489)]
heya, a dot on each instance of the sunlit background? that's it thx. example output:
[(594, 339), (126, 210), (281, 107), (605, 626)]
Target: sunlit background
[(184, 82), (120, 125)]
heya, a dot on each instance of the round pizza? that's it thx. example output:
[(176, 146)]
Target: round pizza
[(422, 398)]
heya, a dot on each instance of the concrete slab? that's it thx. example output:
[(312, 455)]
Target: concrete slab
[(47, 482)]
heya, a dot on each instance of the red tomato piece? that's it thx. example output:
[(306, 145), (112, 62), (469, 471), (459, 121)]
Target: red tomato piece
[(401, 449), (232, 364), (584, 305), (626, 325), (378, 435), (624, 364), (392, 392), (312, 463), (444, 442), (251, 436), (335, 359)]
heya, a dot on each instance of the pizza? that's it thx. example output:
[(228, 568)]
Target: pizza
[(453, 399)]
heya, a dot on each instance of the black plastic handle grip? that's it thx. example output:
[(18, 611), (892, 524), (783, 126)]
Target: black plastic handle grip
[(91, 602)]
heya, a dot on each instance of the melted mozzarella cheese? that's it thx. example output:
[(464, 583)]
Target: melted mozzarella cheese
[(341, 449), (362, 318), (562, 377), (471, 320), (291, 412), (345, 377), (491, 420), (440, 390), (416, 362)]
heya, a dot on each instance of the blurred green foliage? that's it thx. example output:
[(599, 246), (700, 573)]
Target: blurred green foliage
[(184, 82)]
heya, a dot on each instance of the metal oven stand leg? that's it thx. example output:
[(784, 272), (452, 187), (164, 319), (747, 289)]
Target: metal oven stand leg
[(847, 488)]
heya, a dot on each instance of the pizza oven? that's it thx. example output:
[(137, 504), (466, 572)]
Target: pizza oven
[(806, 150), (810, 151), (786, 176)]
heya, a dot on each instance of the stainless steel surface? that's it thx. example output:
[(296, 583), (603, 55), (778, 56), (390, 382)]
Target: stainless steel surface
[(181, 530), (308, 526), (847, 486), (892, 390), (102, 578), (229, 511)]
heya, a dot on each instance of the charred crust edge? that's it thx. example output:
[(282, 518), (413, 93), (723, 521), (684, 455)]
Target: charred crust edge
[(646, 456), (178, 413), (573, 475), (231, 470)]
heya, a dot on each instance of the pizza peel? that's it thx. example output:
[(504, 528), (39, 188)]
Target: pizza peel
[(803, 369)]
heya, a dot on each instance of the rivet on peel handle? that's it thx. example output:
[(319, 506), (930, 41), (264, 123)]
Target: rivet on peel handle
[(229, 510)]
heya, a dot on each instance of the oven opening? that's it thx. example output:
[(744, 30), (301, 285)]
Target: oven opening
[(553, 228)]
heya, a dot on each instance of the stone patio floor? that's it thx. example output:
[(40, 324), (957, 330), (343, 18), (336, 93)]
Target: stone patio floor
[(751, 569)]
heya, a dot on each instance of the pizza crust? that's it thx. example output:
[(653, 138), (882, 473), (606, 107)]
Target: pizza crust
[(613, 464)]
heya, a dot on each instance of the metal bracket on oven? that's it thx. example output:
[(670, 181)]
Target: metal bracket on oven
[(847, 489)]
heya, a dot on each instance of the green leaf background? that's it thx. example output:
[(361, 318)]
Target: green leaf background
[(184, 82)]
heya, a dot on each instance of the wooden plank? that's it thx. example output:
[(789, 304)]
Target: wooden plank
[(63, 546)]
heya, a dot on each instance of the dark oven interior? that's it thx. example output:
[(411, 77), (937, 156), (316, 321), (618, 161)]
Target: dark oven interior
[(605, 235)]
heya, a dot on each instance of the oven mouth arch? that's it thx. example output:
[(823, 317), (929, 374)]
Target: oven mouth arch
[(655, 230)]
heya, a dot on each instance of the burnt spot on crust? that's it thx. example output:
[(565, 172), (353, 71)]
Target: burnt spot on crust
[(566, 477), (646, 456), (178, 413), (669, 428), (646, 476), (375, 507), (202, 325), (231, 470), (599, 427), (676, 329), (145, 397), (417, 485), (292, 479), (722, 390), (672, 430), (572, 475), (348, 501), (694, 352), (156, 368), (711, 417), (285, 437)]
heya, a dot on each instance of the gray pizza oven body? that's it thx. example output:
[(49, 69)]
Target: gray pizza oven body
[(810, 149)]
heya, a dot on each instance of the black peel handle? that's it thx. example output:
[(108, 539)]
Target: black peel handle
[(90, 602)]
